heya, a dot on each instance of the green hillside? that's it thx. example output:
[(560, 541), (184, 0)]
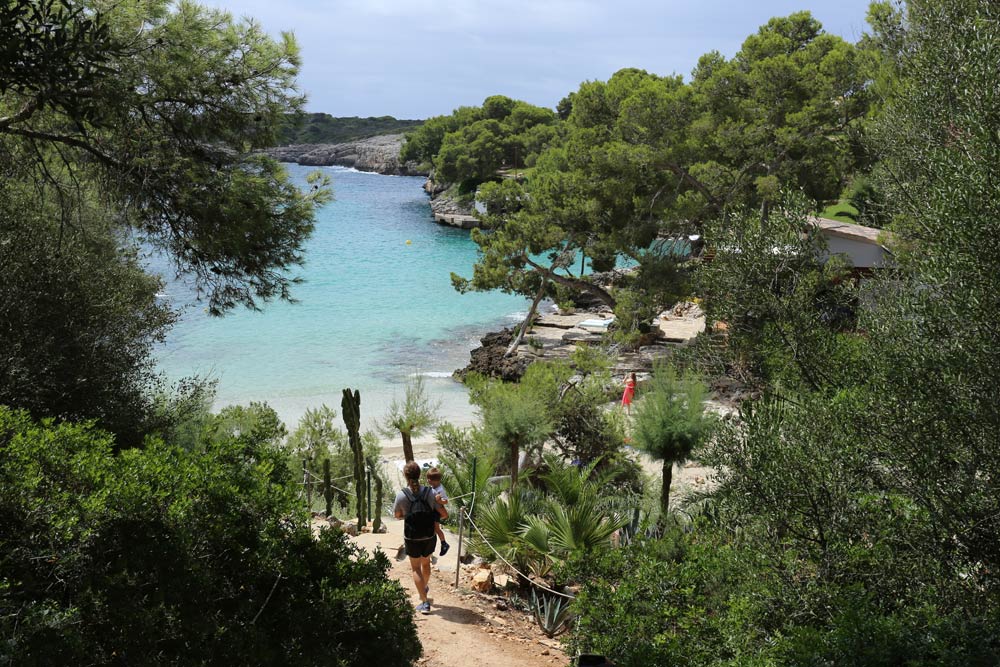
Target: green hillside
[(321, 128)]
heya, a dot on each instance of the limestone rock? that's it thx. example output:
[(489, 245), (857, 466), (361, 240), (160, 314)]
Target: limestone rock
[(489, 361), (351, 528), (378, 154), (482, 581)]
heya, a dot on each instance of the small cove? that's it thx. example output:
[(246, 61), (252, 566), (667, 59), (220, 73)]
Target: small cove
[(373, 310)]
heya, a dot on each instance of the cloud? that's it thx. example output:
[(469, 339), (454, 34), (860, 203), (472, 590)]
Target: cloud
[(414, 58)]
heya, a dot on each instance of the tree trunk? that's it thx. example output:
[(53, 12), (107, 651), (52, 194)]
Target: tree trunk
[(527, 321), (407, 446), (515, 454), (668, 477)]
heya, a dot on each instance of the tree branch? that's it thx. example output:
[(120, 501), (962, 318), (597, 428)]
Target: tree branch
[(25, 113), (575, 283), (67, 140)]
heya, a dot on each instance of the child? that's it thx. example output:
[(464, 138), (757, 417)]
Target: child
[(434, 481)]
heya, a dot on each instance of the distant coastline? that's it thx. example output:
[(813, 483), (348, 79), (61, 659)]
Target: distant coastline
[(378, 154)]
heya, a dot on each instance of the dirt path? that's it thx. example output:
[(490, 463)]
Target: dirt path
[(466, 628)]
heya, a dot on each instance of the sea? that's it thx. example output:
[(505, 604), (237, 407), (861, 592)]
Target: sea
[(376, 307)]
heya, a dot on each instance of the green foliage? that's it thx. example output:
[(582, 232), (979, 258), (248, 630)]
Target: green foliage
[(842, 210), (552, 613), (933, 344), (183, 412), (473, 143), (414, 415), (178, 557), (160, 125), (670, 601), (322, 128), (587, 433), (572, 519), (671, 421), (517, 417), (468, 460), (643, 157), (425, 142), (703, 598), (256, 424), (855, 518), (317, 435), (79, 322), (789, 316)]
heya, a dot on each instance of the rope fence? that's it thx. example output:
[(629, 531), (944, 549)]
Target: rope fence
[(310, 478)]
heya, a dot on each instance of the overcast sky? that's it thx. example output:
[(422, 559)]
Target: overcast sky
[(421, 58)]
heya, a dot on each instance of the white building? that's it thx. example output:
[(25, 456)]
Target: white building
[(863, 246)]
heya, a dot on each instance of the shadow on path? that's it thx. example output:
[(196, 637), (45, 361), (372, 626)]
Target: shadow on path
[(457, 614)]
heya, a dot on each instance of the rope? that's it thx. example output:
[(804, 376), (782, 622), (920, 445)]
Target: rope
[(508, 563), (337, 488), (472, 505), (319, 478)]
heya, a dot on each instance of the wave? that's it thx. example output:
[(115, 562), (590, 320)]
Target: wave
[(337, 167), (516, 317), (432, 374)]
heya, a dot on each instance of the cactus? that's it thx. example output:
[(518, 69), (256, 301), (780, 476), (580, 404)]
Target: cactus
[(377, 519), (350, 406), (552, 613)]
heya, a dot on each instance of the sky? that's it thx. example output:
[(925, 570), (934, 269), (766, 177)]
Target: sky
[(422, 58)]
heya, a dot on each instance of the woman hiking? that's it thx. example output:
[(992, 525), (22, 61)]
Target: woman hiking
[(419, 509)]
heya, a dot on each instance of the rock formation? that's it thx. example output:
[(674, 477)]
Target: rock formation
[(378, 154), (489, 360)]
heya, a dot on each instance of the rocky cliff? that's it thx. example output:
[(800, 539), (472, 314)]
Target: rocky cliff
[(378, 154)]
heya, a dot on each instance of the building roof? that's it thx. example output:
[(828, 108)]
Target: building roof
[(849, 230)]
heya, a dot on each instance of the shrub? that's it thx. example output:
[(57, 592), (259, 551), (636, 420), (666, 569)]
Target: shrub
[(177, 557)]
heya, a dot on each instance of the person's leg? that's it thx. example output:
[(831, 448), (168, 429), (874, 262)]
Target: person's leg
[(425, 573), (421, 576), (440, 534)]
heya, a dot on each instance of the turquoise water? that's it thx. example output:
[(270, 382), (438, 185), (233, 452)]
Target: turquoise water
[(372, 311)]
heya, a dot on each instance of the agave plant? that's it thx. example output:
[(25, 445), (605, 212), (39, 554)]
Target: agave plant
[(552, 613)]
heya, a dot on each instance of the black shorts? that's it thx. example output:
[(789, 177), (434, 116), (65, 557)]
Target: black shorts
[(420, 548)]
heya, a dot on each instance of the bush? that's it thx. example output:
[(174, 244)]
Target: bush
[(177, 557), (702, 597)]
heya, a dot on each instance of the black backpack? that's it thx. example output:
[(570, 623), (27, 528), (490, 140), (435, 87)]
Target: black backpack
[(419, 521)]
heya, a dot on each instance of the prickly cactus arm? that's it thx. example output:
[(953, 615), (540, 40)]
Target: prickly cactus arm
[(351, 409), (377, 519)]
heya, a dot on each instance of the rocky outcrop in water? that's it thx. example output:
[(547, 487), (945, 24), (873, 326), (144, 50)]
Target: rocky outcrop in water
[(378, 154), (489, 360)]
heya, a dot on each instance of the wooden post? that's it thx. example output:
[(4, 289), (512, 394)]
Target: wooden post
[(327, 488), (458, 554)]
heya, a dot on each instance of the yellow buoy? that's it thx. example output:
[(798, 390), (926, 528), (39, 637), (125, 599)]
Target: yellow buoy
[(409, 242)]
